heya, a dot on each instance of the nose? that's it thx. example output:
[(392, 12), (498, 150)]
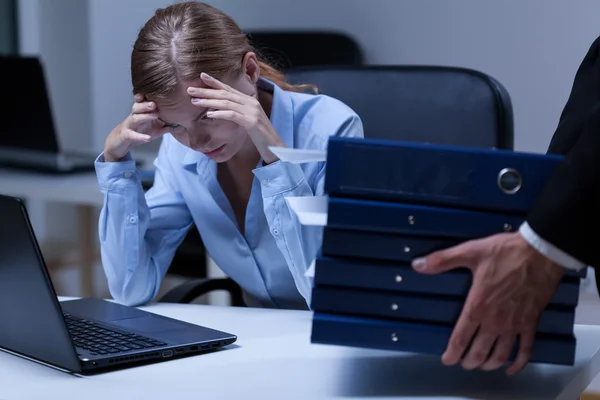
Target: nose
[(198, 138)]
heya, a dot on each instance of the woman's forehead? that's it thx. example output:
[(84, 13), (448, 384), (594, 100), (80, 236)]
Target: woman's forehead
[(177, 108), (179, 94)]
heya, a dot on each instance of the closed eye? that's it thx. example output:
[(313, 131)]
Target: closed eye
[(175, 128), (202, 116)]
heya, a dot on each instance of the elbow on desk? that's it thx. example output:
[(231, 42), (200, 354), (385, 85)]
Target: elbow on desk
[(126, 298), (133, 295), (131, 286), (129, 299)]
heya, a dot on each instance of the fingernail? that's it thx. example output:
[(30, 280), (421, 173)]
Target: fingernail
[(205, 75), (151, 105), (196, 101), (419, 264)]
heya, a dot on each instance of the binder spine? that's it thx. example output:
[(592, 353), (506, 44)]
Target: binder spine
[(391, 217), (478, 179), (419, 308), (377, 246), (380, 246), (421, 338), (401, 278)]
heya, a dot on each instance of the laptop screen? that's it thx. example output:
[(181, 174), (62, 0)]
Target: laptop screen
[(26, 119)]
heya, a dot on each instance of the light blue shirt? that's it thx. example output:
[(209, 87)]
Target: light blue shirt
[(140, 232)]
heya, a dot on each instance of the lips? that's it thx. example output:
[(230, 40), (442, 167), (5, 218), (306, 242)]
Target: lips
[(215, 151)]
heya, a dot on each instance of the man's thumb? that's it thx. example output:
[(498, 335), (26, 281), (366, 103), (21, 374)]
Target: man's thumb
[(442, 260)]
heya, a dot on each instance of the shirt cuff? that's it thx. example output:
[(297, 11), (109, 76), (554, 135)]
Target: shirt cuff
[(548, 249), (115, 175), (279, 177)]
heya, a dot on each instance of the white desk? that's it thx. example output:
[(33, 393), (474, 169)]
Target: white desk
[(273, 359)]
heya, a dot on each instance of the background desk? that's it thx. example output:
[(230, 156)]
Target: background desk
[(80, 190), (273, 359)]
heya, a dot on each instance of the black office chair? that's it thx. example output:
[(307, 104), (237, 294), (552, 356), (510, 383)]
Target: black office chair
[(440, 105), (435, 104), (292, 49)]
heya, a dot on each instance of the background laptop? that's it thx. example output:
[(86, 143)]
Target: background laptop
[(83, 335), (28, 137)]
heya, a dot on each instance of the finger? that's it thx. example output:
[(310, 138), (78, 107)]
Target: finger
[(526, 342), (218, 104), (461, 338), (207, 93), (215, 83), (137, 137), (136, 119), (501, 352), (228, 115), (443, 260), (479, 350), (143, 107)]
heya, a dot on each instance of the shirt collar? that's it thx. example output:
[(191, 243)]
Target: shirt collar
[(282, 119)]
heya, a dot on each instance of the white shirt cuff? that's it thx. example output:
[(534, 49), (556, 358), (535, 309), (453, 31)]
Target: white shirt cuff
[(549, 250)]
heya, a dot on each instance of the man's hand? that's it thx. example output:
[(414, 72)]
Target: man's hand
[(512, 285)]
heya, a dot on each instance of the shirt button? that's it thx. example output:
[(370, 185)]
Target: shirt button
[(128, 174), (275, 231), (265, 182), (132, 219)]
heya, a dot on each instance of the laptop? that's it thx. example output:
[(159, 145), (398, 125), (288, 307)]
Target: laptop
[(28, 137), (80, 336)]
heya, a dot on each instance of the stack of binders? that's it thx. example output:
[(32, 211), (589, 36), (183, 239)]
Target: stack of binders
[(390, 202)]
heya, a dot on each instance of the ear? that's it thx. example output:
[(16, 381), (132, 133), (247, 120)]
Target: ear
[(251, 67)]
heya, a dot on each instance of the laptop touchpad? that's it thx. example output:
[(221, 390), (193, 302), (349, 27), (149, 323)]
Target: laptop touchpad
[(148, 324)]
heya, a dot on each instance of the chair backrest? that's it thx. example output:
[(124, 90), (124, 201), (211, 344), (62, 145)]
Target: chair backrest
[(291, 49), (442, 105)]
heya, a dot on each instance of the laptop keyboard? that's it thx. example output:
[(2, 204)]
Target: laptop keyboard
[(99, 340)]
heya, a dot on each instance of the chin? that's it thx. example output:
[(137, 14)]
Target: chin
[(220, 159)]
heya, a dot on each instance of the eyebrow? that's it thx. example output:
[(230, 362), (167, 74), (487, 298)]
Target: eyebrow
[(195, 119)]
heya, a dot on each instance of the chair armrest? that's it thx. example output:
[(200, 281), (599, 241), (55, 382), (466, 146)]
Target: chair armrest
[(194, 288)]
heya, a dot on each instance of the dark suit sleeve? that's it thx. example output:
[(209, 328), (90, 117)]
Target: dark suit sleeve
[(567, 214)]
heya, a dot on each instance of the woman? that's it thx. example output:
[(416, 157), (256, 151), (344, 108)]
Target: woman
[(199, 85)]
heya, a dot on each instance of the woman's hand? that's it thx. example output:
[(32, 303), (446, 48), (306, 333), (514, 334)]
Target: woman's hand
[(230, 104), (512, 284), (141, 126)]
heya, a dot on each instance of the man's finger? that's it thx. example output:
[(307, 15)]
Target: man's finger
[(480, 349), (445, 260), (526, 342), (502, 350), (461, 338)]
